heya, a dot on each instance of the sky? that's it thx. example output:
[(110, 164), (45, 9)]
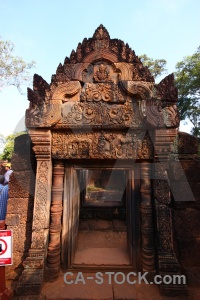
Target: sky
[(46, 31)]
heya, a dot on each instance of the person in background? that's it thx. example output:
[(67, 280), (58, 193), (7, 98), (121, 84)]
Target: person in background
[(3, 201), (8, 173)]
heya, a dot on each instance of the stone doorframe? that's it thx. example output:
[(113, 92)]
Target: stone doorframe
[(32, 277), (147, 250), (143, 189), (157, 251)]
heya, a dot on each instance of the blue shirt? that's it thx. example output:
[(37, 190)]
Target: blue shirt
[(3, 201)]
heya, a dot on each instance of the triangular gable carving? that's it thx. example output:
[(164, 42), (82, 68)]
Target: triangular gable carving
[(102, 85)]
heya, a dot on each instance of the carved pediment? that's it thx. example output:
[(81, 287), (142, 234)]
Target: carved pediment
[(103, 85), (101, 47)]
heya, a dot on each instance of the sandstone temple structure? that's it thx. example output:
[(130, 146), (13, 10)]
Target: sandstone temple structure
[(103, 146)]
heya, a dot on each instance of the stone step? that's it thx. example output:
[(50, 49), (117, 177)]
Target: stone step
[(87, 287)]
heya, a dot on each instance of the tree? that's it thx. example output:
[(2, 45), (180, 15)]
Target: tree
[(156, 67), (187, 78), (2, 143), (13, 69), (9, 146)]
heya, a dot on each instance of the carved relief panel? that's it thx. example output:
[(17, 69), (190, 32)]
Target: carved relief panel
[(99, 145), (100, 115)]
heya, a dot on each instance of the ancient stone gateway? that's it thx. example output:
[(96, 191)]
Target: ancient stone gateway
[(103, 133)]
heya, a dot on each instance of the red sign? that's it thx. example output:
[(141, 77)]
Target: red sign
[(5, 247)]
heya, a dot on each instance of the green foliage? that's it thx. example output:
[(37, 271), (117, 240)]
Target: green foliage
[(13, 69), (2, 143), (187, 78), (156, 67), (9, 146)]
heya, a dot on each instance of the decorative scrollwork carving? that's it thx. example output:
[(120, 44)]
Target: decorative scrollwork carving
[(165, 228), (69, 88), (143, 89), (99, 114), (107, 92), (101, 145), (41, 195), (125, 70)]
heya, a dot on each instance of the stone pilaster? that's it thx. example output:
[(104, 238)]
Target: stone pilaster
[(148, 257), (167, 261), (31, 279), (54, 247)]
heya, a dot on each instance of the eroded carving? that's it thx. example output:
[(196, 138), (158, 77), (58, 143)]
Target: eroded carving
[(107, 92), (137, 88), (100, 115), (166, 89), (101, 37), (164, 228), (171, 116), (66, 89), (125, 70), (101, 145), (40, 205), (101, 64), (102, 74)]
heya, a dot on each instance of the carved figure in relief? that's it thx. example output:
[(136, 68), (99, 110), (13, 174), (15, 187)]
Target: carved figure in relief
[(102, 74), (84, 149), (145, 148), (73, 149), (103, 145), (35, 115), (131, 150), (77, 113), (171, 116)]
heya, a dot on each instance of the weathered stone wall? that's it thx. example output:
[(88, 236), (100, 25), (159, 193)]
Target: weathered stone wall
[(20, 204), (186, 212)]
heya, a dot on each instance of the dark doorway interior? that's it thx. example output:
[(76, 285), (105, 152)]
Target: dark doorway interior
[(102, 235), (100, 217)]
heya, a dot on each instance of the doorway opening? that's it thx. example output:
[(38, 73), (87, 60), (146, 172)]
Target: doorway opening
[(99, 217), (102, 234)]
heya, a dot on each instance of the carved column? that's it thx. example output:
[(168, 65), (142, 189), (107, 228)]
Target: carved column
[(167, 261), (31, 279), (148, 259), (54, 247)]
